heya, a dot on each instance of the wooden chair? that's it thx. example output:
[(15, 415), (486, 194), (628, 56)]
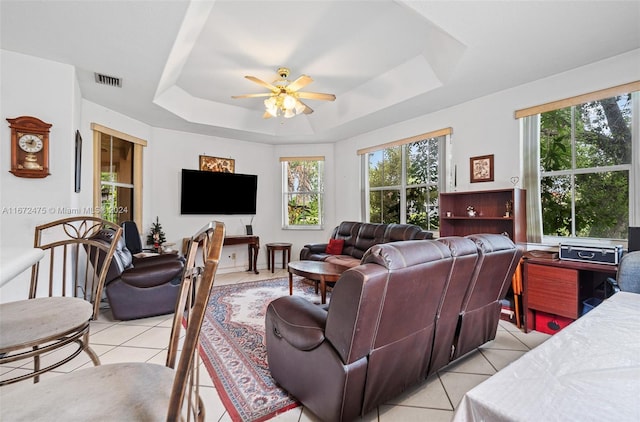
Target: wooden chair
[(64, 296), (134, 391)]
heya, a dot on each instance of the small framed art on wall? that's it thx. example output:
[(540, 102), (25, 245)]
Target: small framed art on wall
[(481, 168), (222, 165)]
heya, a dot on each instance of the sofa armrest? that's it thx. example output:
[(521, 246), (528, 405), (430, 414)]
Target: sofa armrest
[(317, 247), (156, 259), (311, 249), (424, 235), (149, 276), (298, 321)]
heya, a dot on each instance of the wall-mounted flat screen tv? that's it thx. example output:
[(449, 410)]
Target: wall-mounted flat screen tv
[(207, 192)]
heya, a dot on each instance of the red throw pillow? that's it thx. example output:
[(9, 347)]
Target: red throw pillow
[(335, 246)]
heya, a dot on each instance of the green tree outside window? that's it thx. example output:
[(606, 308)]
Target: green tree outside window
[(406, 174), (303, 192), (585, 161)]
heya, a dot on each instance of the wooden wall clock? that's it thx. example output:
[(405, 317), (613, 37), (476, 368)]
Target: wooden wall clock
[(29, 147)]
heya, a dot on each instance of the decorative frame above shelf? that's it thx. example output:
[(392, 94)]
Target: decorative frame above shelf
[(481, 168)]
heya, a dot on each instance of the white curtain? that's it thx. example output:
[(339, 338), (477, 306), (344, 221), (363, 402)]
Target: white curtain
[(530, 130)]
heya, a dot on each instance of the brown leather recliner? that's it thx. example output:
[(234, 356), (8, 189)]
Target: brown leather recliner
[(465, 258), (498, 258), (142, 288), (374, 340)]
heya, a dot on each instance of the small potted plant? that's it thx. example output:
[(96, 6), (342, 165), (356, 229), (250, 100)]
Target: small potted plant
[(471, 211)]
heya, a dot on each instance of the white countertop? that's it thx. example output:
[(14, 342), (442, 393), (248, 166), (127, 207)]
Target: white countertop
[(13, 261)]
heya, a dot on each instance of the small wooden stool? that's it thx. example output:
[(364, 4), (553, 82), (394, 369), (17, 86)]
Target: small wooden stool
[(271, 252)]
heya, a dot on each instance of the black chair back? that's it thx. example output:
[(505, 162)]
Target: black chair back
[(634, 239), (132, 237)]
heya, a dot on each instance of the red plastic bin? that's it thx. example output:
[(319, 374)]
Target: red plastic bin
[(550, 323)]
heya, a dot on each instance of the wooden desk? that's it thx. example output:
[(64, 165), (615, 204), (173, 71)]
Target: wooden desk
[(253, 245), (559, 286)]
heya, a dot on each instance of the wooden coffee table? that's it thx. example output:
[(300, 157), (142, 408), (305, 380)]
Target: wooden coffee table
[(323, 272)]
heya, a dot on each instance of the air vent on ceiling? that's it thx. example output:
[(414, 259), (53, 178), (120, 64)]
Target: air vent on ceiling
[(108, 80)]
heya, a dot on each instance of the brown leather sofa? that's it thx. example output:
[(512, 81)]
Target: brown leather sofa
[(393, 320), (358, 238)]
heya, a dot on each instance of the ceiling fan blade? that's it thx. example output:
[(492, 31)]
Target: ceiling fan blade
[(263, 83), (307, 109), (265, 94), (301, 82), (316, 96)]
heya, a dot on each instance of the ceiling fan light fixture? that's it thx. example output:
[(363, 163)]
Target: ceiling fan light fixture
[(299, 107), (289, 102), (271, 106), (283, 98), (270, 102)]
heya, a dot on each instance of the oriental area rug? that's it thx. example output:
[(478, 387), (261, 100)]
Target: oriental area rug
[(232, 346)]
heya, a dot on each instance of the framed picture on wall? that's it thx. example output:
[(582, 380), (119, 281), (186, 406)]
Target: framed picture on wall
[(481, 168), (222, 165)]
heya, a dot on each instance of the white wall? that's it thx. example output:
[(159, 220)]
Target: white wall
[(49, 91), (170, 151), (483, 126)]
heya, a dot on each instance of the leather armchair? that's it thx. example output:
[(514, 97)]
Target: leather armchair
[(143, 287), (372, 342)]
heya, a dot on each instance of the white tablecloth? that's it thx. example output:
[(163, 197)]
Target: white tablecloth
[(589, 371), (13, 261)]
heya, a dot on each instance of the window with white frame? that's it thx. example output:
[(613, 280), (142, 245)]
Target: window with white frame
[(302, 192), (587, 167), (403, 179)]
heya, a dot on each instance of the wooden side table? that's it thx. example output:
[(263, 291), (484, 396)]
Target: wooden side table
[(271, 251)]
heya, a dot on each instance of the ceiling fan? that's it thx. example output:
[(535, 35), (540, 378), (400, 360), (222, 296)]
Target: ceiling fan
[(284, 98)]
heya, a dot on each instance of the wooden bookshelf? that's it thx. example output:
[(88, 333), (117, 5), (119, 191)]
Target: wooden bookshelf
[(490, 206)]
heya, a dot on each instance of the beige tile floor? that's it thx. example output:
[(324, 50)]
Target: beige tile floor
[(433, 400)]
